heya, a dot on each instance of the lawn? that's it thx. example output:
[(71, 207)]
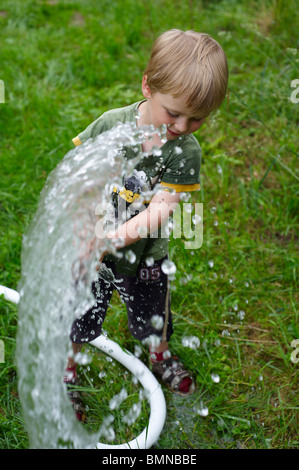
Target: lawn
[(62, 64)]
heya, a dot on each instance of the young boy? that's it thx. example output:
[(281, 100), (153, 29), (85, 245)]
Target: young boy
[(184, 81)]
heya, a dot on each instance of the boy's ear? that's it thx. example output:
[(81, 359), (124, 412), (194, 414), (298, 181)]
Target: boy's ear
[(145, 88)]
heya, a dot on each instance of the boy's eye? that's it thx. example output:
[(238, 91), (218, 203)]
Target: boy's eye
[(172, 114)]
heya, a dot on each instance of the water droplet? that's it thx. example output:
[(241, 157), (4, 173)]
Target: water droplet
[(166, 354), (215, 377), (185, 197), (157, 322), (137, 350), (241, 315), (82, 358), (225, 333), (196, 219), (202, 410), (183, 280), (156, 151), (149, 261), (178, 150), (188, 207), (168, 267), (192, 342), (130, 256)]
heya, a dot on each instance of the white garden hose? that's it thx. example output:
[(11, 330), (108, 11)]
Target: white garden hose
[(153, 389), (10, 294)]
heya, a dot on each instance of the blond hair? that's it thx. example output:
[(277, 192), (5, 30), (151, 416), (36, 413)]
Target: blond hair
[(191, 64)]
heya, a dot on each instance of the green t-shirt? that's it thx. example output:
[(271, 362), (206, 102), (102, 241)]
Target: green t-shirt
[(176, 166)]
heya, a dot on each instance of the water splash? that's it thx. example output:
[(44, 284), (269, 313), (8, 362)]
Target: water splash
[(116, 401), (54, 288)]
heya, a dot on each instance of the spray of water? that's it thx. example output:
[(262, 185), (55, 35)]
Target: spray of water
[(53, 290)]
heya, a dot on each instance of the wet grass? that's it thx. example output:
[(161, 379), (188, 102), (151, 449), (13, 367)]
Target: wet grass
[(61, 70)]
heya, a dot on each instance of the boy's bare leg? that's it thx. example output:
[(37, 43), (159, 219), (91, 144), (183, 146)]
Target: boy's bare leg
[(76, 349), (163, 346), (70, 379)]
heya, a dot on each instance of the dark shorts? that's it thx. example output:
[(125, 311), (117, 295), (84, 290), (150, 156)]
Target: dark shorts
[(145, 297)]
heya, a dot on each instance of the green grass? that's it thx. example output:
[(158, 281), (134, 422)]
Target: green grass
[(64, 63)]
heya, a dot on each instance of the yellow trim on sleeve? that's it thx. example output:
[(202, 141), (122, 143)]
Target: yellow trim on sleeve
[(77, 141), (126, 194), (181, 188)]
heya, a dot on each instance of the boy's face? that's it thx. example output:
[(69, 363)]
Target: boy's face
[(165, 109)]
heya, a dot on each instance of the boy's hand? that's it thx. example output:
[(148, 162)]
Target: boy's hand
[(158, 211), (99, 265)]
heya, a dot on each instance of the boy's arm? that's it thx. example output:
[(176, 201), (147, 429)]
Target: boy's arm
[(147, 222)]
